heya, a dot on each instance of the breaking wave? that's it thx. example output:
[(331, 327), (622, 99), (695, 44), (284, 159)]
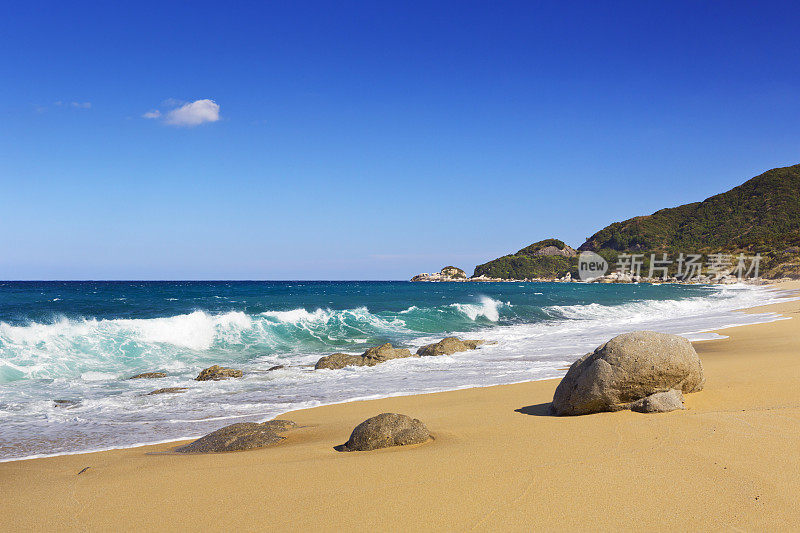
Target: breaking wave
[(487, 308)]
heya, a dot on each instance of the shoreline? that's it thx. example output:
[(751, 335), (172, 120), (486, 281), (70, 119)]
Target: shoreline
[(379, 396), (489, 466), (709, 332)]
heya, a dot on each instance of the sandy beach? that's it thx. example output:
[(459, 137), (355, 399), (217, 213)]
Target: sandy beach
[(498, 461)]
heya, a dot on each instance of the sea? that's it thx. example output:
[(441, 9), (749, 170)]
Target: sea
[(68, 349)]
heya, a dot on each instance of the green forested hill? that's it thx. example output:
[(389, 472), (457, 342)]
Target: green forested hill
[(549, 258), (760, 216)]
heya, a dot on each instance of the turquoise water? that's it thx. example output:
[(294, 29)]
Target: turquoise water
[(79, 341)]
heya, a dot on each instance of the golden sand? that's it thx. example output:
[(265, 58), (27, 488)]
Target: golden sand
[(730, 461)]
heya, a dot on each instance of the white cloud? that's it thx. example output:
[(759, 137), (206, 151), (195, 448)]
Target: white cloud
[(193, 113), (155, 113), (81, 105)]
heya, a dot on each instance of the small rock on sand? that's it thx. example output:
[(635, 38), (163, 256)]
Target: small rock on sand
[(241, 436), (660, 402), (386, 430)]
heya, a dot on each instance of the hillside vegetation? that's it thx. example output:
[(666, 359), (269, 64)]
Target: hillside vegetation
[(546, 259), (760, 216)]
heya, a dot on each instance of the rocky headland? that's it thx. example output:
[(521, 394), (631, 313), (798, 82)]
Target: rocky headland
[(448, 273), (760, 217)]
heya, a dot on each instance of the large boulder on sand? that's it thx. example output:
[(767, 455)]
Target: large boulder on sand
[(448, 346), (627, 368), (385, 430), (241, 436), (216, 373), (371, 357)]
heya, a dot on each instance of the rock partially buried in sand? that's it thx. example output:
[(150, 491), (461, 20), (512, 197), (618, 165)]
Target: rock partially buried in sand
[(149, 375), (238, 437), (168, 390), (216, 373), (276, 367), (627, 368), (372, 357), (384, 431), (449, 346), (660, 402)]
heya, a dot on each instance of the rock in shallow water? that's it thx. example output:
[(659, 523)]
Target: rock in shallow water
[(448, 346), (339, 360), (660, 402), (238, 437), (384, 431), (216, 373), (383, 353), (67, 404), (627, 368), (149, 375), (168, 390), (372, 357)]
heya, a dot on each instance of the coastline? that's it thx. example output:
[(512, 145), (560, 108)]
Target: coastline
[(718, 464)]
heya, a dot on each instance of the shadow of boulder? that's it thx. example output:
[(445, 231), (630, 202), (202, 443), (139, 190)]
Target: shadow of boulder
[(542, 409)]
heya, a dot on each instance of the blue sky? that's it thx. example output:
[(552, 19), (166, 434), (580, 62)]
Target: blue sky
[(347, 140)]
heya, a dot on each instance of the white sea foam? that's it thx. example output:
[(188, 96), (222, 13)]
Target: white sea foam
[(196, 330), (98, 376), (298, 315), (487, 308)]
